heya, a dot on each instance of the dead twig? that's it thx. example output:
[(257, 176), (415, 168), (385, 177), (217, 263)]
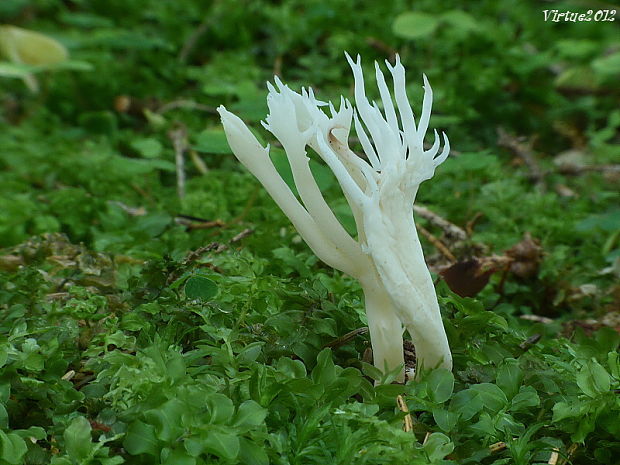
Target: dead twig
[(451, 230), (185, 104), (407, 420), (382, 47), (131, 211), (179, 142), (577, 170), (68, 375), (523, 150), (436, 243), (192, 222), (342, 340), (193, 256), (497, 447), (569, 454), (529, 342), (11, 262), (243, 234), (191, 41), (277, 66), (469, 227), (198, 162), (537, 319), (555, 455), (248, 206)]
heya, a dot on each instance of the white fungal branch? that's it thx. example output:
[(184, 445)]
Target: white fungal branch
[(387, 256)]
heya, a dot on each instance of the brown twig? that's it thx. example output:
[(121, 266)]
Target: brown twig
[(142, 192), (277, 66), (382, 47), (11, 262), (451, 230), (529, 342), (537, 319), (186, 104), (436, 243), (179, 142), (248, 206), (193, 256), (569, 453), (191, 41), (191, 222), (497, 447), (342, 340), (469, 227), (576, 170), (198, 162), (522, 149), (555, 455), (131, 211), (407, 420), (243, 234)]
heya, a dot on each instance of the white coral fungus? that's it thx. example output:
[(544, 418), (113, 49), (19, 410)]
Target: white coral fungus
[(380, 188)]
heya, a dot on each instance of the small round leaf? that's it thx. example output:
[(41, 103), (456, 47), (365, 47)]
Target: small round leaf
[(199, 287)]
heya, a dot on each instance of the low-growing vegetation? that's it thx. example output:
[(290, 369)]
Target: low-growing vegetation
[(156, 307)]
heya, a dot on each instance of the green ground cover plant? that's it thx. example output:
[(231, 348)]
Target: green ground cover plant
[(156, 307)]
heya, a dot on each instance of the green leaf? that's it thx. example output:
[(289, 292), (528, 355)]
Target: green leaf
[(437, 446), (12, 448), (460, 20), (467, 403), (445, 419), (250, 352), (509, 377), (212, 141), (485, 426), (199, 287), (493, 398), (140, 439), (440, 384), (179, 457), (608, 65), (291, 368), (78, 440), (193, 446), (325, 371), (167, 420), (593, 379), (223, 444), (251, 453), (613, 362), (5, 392), (148, 148), (527, 397), (13, 70), (4, 417), (322, 174), (249, 415), (61, 461), (35, 432), (571, 409), (221, 408), (576, 48), (414, 24)]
